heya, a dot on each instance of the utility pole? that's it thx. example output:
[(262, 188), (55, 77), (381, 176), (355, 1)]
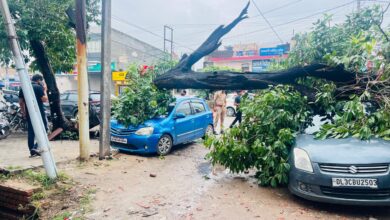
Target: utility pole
[(358, 5), (83, 88), (29, 96), (166, 39), (105, 84)]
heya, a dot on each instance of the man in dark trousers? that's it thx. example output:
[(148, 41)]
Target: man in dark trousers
[(237, 102), (40, 89)]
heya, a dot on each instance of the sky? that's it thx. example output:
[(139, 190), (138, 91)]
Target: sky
[(193, 20)]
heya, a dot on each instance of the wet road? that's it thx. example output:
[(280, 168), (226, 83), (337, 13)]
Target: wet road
[(183, 186)]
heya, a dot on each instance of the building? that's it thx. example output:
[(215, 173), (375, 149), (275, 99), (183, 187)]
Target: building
[(246, 57), (125, 50)]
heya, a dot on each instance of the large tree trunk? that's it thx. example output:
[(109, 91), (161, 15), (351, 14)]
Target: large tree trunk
[(233, 80), (57, 116)]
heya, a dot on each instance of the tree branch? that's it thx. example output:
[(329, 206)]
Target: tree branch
[(211, 44)]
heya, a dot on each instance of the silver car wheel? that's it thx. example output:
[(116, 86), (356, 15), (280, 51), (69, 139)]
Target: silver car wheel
[(230, 112), (164, 145)]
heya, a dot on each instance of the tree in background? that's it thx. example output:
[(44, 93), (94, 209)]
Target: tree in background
[(47, 39)]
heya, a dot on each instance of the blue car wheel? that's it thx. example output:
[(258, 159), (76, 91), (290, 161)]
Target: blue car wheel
[(164, 145)]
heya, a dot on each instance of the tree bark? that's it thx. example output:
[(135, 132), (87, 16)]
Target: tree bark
[(228, 80), (57, 116)]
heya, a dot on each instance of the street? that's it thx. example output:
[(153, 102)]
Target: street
[(182, 185)]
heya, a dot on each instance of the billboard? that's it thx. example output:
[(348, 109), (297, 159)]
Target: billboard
[(271, 51)]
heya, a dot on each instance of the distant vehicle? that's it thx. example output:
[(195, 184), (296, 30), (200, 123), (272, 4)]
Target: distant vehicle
[(342, 171), (11, 96), (69, 105), (230, 107), (187, 119)]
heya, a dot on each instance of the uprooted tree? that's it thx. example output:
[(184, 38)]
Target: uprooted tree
[(341, 72), (46, 33)]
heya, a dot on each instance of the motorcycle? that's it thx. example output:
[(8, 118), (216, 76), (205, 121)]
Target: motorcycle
[(15, 118), (4, 124)]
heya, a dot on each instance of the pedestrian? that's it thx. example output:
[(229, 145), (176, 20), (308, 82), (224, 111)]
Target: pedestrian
[(219, 109), (183, 92), (40, 90), (237, 102)]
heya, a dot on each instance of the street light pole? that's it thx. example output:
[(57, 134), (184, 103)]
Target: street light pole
[(83, 88), (105, 85), (29, 96)]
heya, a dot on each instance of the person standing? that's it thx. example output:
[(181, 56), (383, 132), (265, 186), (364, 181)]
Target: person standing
[(219, 109), (237, 102), (40, 90)]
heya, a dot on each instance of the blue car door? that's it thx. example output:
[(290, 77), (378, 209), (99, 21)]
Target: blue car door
[(184, 127), (201, 118)]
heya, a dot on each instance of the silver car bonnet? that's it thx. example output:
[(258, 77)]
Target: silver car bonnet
[(345, 151)]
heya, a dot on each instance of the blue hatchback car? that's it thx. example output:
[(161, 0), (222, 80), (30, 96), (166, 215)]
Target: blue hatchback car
[(187, 119)]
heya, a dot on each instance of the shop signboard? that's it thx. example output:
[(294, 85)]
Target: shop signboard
[(271, 51), (98, 67), (119, 76)]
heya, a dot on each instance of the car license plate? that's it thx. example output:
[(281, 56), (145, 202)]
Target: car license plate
[(355, 182), (119, 140)]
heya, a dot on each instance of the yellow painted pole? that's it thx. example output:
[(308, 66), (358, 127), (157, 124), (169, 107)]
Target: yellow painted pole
[(83, 90)]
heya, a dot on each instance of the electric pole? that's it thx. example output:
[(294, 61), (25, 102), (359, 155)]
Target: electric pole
[(83, 88), (169, 40), (358, 5), (105, 84), (29, 96)]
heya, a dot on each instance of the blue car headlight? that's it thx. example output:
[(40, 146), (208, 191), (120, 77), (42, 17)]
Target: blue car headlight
[(145, 131), (302, 160)]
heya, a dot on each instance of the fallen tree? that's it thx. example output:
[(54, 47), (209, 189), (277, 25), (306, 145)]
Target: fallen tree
[(182, 77), (341, 72)]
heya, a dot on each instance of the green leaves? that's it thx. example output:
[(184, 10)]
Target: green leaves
[(264, 138), (141, 100)]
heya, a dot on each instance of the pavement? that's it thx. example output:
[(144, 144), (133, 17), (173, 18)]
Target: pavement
[(14, 153)]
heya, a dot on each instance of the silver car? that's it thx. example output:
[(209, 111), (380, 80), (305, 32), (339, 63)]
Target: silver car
[(342, 171)]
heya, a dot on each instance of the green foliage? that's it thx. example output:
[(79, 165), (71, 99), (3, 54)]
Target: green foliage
[(47, 22), (354, 120), (141, 100), (41, 178), (264, 138)]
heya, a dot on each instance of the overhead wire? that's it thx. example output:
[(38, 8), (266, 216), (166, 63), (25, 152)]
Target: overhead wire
[(266, 20), (148, 31), (292, 21)]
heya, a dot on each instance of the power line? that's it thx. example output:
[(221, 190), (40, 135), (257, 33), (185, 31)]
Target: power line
[(278, 8), (145, 52), (266, 20), (147, 31), (292, 21)]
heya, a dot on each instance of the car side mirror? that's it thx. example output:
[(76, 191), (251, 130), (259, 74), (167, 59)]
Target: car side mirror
[(180, 115)]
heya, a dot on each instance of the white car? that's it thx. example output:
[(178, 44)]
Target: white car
[(230, 107)]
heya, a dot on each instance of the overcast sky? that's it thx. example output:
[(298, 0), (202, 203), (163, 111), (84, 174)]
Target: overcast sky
[(193, 20)]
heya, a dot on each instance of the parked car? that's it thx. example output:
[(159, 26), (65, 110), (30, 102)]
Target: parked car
[(230, 107), (343, 171), (187, 119), (11, 96), (69, 105)]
